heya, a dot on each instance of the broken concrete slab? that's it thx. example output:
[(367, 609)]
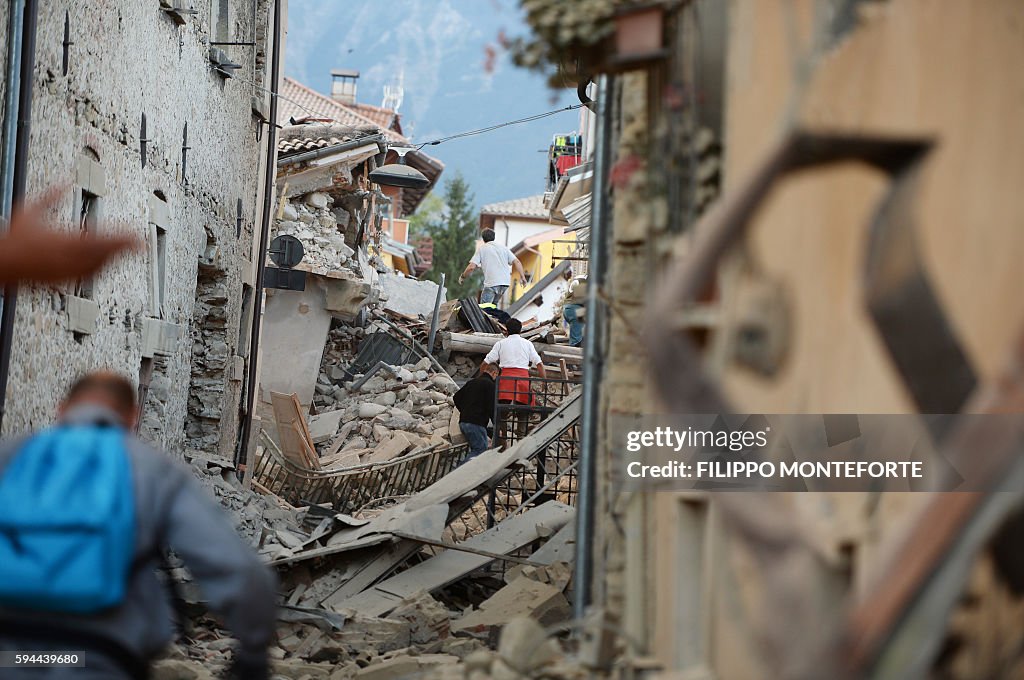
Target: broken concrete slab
[(344, 459), (524, 596), (525, 645), (390, 448), (504, 538), (408, 296), (325, 425)]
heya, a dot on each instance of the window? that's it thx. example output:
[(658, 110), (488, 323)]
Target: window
[(220, 21), (159, 217), (245, 321), (87, 216)]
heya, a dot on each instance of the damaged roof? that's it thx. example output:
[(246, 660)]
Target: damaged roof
[(530, 207), (295, 139), (328, 122)]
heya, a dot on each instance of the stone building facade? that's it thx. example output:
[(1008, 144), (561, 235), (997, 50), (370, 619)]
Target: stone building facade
[(151, 138), (709, 584)]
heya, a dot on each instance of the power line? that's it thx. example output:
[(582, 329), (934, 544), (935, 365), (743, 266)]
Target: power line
[(317, 114), (491, 128), (418, 147)]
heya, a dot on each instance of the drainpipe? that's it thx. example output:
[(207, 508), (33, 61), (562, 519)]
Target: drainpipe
[(593, 353), (242, 450), (21, 64)]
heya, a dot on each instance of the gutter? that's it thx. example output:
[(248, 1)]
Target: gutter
[(377, 139), (593, 356), (242, 449), (21, 62)]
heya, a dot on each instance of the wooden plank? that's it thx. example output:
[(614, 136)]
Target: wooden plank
[(310, 450), (508, 536), (461, 547), (296, 443), (481, 343)]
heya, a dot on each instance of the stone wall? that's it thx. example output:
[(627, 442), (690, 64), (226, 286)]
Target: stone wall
[(128, 59)]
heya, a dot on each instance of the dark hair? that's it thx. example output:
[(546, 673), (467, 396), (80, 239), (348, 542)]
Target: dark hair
[(487, 235), (115, 387), (514, 326)]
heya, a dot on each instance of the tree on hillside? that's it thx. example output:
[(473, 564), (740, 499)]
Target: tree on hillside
[(454, 228), (429, 212)]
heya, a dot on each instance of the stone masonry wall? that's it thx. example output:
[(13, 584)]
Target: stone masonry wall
[(130, 58)]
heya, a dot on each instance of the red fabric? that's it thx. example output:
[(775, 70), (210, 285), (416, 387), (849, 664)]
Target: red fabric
[(513, 387), (566, 163)]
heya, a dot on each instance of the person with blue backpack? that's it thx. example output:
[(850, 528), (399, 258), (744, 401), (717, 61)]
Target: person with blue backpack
[(87, 514)]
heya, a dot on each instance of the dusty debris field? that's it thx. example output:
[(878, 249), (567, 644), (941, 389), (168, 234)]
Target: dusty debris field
[(411, 585)]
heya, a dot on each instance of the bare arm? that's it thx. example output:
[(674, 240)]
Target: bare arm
[(518, 266), (541, 372), (34, 251), (468, 270)]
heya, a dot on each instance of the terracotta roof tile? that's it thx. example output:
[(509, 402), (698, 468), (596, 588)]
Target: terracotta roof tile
[(298, 102), (530, 206)]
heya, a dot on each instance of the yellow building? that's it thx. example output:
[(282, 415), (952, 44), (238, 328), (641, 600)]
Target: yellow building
[(540, 254)]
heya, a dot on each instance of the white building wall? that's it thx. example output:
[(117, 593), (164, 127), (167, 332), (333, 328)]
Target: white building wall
[(511, 230)]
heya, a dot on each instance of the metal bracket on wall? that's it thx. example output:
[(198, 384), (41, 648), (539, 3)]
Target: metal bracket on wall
[(238, 219), (177, 11), (184, 153), (65, 60), (143, 141)]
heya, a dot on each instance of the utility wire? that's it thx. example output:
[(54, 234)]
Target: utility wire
[(491, 128), (418, 147), (316, 114)]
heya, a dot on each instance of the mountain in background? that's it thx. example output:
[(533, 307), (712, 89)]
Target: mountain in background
[(442, 49)]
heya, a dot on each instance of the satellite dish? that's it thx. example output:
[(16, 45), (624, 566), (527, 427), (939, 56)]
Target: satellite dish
[(286, 251)]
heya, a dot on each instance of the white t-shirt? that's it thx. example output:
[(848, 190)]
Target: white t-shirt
[(496, 261), (513, 352)]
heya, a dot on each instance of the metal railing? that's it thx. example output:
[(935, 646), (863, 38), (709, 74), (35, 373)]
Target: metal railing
[(351, 489), (552, 473)]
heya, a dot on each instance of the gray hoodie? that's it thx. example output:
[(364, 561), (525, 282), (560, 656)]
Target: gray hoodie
[(172, 511)]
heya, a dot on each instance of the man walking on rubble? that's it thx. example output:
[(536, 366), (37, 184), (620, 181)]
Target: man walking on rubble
[(497, 262), (515, 356), (87, 512), (475, 401)]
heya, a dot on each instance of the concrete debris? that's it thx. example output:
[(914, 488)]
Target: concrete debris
[(524, 596), (525, 646), (321, 557), (367, 595), (408, 296), (427, 618)]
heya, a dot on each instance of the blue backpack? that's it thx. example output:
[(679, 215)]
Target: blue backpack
[(67, 521)]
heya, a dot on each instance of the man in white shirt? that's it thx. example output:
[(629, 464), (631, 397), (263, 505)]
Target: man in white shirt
[(497, 262), (514, 355)]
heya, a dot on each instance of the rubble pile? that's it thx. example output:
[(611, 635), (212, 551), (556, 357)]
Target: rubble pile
[(420, 637), (407, 626), (310, 219), (380, 415), (412, 641)]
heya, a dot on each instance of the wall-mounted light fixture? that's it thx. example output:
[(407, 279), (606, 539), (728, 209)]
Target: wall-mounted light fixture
[(399, 174)]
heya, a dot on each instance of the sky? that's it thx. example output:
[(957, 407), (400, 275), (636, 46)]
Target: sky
[(441, 48)]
